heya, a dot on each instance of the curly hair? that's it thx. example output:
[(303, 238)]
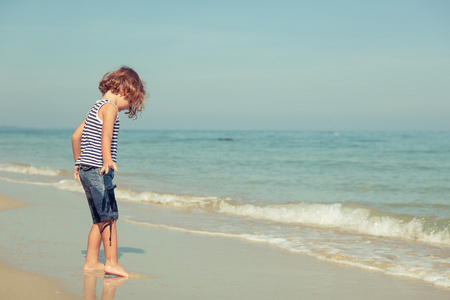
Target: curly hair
[(126, 82)]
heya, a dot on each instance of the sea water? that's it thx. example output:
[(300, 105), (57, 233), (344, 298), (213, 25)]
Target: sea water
[(374, 200)]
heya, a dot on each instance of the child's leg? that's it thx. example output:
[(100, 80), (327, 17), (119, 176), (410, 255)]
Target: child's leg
[(93, 248), (112, 265)]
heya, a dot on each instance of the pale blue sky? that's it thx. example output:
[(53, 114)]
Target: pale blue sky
[(328, 65)]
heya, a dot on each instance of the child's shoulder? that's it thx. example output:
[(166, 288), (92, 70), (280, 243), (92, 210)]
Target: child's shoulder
[(108, 109)]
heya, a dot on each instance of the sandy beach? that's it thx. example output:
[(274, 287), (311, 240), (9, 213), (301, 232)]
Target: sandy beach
[(43, 247), (18, 284)]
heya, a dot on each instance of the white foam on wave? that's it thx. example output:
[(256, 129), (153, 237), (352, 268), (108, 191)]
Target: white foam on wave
[(29, 169), (342, 217), (69, 185), (24, 181), (338, 216), (66, 185), (171, 200)]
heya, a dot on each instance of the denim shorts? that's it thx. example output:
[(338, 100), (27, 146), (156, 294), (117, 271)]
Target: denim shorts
[(99, 191)]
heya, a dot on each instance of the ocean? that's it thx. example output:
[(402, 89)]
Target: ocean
[(377, 200)]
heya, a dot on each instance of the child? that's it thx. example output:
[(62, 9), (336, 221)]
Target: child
[(94, 145)]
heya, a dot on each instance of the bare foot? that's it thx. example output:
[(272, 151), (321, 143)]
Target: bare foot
[(116, 270), (93, 267)]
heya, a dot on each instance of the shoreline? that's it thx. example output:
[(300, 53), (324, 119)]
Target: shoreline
[(168, 264)]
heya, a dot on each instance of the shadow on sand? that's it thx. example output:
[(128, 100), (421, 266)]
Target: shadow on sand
[(120, 251)]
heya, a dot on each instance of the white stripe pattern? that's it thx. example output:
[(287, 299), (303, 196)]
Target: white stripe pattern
[(91, 148)]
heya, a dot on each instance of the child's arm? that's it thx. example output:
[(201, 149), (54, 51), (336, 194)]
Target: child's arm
[(76, 147), (107, 113)]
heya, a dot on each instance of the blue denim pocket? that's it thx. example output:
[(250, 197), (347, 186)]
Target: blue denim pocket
[(90, 177)]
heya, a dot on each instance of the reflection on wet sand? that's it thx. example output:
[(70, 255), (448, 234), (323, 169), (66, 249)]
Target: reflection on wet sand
[(110, 284)]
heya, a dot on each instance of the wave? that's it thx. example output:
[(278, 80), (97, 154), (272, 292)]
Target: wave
[(351, 218), (346, 217), (29, 169)]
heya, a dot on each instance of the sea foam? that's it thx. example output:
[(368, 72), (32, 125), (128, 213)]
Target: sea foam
[(29, 169), (345, 217), (362, 220)]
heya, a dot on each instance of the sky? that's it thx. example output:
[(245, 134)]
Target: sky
[(231, 65)]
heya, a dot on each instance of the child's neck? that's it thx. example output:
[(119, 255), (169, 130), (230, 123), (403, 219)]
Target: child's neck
[(111, 97)]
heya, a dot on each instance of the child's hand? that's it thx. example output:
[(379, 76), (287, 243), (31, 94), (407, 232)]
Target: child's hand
[(107, 166), (76, 175)]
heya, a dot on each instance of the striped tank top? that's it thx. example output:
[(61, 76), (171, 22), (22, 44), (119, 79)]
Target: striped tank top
[(91, 147)]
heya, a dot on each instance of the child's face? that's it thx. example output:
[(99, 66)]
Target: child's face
[(124, 103)]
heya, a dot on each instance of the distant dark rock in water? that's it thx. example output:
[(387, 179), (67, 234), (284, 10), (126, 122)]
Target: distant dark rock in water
[(225, 139)]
